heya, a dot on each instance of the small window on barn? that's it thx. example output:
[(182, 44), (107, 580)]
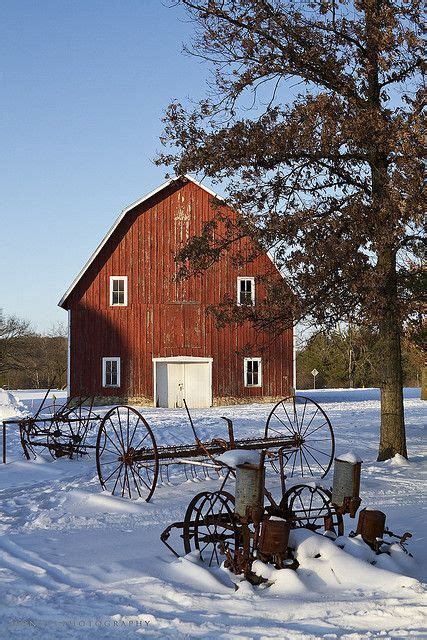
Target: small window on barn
[(111, 372), (118, 291), (252, 372), (245, 291)]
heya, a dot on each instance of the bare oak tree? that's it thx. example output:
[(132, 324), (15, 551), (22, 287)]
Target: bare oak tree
[(313, 121), (14, 333), (28, 359)]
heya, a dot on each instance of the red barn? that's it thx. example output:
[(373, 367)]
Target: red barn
[(139, 335)]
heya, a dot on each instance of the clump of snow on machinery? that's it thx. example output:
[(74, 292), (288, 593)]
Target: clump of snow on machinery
[(324, 566), (345, 563), (235, 457), (350, 457)]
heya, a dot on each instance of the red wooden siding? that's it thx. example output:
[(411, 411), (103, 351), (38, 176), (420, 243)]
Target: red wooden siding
[(165, 317)]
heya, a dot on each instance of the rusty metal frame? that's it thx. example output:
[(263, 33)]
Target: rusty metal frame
[(254, 532), (44, 431), (56, 434)]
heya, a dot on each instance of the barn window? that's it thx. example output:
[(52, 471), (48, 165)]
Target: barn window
[(111, 372), (252, 372), (118, 291), (245, 291)]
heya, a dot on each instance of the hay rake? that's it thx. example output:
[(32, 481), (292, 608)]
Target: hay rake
[(298, 435)]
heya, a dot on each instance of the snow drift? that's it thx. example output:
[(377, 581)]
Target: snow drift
[(10, 407)]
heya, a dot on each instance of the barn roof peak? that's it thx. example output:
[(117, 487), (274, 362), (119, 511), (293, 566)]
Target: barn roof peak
[(122, 215)]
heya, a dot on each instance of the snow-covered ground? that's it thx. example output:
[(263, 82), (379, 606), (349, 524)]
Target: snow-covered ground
[(10, 406), (76, 562)]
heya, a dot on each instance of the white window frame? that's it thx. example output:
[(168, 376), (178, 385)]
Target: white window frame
[(245, 372), (252, 280), (104, 371), (125, 296)]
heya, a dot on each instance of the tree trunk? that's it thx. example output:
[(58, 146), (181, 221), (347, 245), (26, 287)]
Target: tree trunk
[(424, 382), (392, 432)]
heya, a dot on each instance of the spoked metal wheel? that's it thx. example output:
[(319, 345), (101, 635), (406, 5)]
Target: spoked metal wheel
[(127, 459), (34, 438), (69, 430), (305, 423), (311, 508), (58, 431), (44, 435), (209, 526)]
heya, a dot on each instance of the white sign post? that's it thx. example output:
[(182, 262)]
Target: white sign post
[(314, 374)]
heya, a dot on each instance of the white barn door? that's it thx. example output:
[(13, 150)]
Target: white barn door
[(176, 382), (187, 378), (161, 372), (198, 384)]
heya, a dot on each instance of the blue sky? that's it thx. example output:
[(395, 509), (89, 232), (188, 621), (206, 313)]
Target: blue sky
[(83, 88)]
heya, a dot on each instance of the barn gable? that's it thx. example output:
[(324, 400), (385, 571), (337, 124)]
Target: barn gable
[(121, 218), (138, 332)]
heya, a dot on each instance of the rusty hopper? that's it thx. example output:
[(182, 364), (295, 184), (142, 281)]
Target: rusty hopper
[(371, 526), (273, 541)]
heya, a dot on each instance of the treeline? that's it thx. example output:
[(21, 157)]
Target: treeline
[(30, 360), (351, 358), (343, 358)]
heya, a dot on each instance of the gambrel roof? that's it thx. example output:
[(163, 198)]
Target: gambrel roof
[(122, 215)]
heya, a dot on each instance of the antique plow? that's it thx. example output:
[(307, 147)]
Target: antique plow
[(298, 435), (60, 430), (237, 530)]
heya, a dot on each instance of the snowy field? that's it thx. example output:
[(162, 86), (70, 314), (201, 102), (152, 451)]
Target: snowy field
[(76, 562)]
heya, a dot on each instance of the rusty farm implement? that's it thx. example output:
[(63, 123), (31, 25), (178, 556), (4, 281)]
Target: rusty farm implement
[(251, 525), (61, 430), (297, 436), (238, 529)]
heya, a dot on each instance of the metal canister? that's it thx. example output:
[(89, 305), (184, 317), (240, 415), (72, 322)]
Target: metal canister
[(274, 537), (249, 503), (370, 526), (346, 486)]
